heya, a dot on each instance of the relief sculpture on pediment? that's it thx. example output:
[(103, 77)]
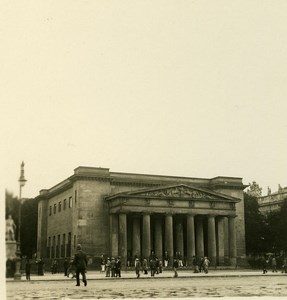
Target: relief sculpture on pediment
[(179, 192)]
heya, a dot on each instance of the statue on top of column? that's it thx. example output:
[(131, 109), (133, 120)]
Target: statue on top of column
[(10, 229)]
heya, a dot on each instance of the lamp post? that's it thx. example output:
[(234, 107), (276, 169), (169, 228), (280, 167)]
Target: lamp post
[(22, 181)]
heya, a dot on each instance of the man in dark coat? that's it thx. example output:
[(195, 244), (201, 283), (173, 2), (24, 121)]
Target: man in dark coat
[(81, 263), (28, 269), (118, 267)]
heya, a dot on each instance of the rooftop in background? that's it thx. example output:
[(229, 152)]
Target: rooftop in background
[(272, 201)]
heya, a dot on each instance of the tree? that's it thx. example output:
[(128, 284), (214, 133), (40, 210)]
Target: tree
[(254, 189), (277, 229), (255, 226), (29, 218)]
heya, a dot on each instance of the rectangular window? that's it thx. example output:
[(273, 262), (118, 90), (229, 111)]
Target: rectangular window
[(50, 210), (53, 247), (60, 206), (58, 247), (75, 196), (70, 202), (55, 208), (65, 204), (49, 248), (63, 250), (69, 244)]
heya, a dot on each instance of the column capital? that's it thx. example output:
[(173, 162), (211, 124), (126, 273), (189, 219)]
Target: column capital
[(146, 213), (191, 214), (169, 213), (211, 215)]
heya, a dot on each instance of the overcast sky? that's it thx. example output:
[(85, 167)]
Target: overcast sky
[(185, 88)]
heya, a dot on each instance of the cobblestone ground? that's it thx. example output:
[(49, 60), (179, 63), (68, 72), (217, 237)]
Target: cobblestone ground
[(151, 288)]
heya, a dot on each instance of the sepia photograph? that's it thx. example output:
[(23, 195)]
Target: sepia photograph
[(144, 149)]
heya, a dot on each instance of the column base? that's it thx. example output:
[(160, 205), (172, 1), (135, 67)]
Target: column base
[(221, 261), (233, 261), (17, 276), (213, 261)]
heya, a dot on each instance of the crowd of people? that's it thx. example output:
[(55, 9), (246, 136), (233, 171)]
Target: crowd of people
[(271, 261), (112, 267)]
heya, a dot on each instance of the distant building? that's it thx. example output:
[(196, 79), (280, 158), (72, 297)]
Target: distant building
[(128, 215), (272, 201)]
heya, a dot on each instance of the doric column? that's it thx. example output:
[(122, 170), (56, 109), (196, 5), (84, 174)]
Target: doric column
[(179, 237), (136, 237), (158, 238), (169, 236), (123, 238), (190, 239), (220, 240), (114, 235), (226, 241), (211, 240), (199, 237), (232, 240), (146, 236)]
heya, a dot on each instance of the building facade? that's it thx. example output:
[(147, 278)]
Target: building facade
[(128, 215), (272, 201)]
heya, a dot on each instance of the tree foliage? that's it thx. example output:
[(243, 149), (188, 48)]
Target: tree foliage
[(255, 226), (277, 229)]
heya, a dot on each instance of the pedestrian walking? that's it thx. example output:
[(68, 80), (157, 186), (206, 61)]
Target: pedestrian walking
[(28, 269), (179, 259), (205, 265), (195, 263), (108, 267), (137, 267), (160, 266), (103, 263), (175, 267), (118, 267), (40, 264), (264, 263), (66, 266), (54, 267), (165, 259), (201, 260), (284, 266), (71, 269), (152, 265), (274, 264), (81, 263), (113, 267), (144, 266)]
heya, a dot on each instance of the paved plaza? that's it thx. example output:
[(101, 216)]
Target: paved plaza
[(224, 283)]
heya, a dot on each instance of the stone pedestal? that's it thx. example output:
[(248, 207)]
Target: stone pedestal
[(11, 247)]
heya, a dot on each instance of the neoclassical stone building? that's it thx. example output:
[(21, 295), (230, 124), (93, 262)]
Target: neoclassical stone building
[(122, 214), (272, 201)]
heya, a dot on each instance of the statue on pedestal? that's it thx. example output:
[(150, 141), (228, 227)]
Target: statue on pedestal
[(10, 229)]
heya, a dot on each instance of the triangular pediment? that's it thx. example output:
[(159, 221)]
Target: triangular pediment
[(179, 192)]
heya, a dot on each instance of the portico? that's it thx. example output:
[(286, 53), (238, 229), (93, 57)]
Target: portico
[(178, 218)]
